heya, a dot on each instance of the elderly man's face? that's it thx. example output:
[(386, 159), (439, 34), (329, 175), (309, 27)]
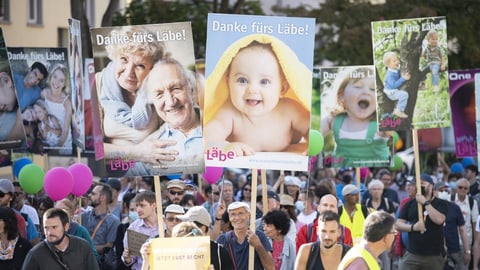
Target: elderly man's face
[(239, 218), (171, 96)]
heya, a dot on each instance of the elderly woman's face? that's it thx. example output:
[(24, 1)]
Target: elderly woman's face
[(131, 69), (8, 99)]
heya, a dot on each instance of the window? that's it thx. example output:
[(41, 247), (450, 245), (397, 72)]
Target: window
[(34, 9), (4, 10)]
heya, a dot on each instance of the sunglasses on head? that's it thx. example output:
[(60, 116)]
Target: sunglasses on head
[(173, 192)]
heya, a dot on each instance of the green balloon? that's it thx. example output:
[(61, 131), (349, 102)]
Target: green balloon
[(315, 143), (397, 163), (31, 178)]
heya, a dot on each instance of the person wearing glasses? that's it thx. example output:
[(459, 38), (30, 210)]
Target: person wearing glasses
[(427, 230), (147, 224), (454, 231), (171, 217), (211, 194), (378, 235), (176, 191), (469, 207)]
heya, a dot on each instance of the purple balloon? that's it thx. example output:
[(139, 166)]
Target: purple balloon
[(82, 178), (212, 174), (58, 183)]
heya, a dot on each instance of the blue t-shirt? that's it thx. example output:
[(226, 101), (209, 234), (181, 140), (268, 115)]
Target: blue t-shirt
[(239, 252), (453, 219), (26, 96)]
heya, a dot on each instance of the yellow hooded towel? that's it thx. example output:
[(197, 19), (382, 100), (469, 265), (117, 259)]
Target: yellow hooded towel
[(298, 76)]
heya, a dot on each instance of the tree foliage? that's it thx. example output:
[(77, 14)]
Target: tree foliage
[(196, 11), (344, 34)]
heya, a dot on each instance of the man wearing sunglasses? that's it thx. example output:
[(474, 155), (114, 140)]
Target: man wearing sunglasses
[(427, 230), (176, 191)]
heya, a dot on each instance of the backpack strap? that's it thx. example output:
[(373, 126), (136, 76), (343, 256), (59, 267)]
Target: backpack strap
[(309, 232), (364, 210), (470, 202)]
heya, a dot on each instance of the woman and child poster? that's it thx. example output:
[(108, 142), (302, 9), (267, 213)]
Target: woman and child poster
[(147, 99), (258, 91), (410, 58), (43, 88)]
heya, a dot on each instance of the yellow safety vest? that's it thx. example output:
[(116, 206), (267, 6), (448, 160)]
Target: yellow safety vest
[(359, 252), (356, 227)]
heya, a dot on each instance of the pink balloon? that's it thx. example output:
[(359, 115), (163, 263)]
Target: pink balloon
[(58, 183), (212, 174), (82, 178)]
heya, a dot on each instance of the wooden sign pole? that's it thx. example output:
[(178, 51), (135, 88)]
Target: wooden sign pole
[(158, 199), (253, 210), (418, 181), (264, 191)]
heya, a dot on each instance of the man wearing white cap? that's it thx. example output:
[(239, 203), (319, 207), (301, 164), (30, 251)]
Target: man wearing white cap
[(219, 256), (171, 217), (352, 213), (238, 241)]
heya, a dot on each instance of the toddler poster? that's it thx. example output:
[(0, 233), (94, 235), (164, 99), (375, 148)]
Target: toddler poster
[(462, 101), (349, 119), (258, 91), (12, 133), (410, 57), (147, 101), (43, 87)]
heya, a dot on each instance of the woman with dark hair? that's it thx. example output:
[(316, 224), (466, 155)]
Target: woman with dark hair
[(13, 248), (276, 225), (246, 193)]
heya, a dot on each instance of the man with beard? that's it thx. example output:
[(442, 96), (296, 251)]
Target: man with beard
[(326, 253), (425, 237), (101, 225), (59, 250)]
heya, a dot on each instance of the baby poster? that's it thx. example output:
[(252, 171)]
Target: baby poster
[(349, 119), (147, 101), (258, 91), (410, 58), (43, 87), (76, 77), (462, 101), (12, 133)]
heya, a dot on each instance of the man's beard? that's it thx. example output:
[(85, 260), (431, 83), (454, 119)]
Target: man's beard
[(94, 204), (330, 246), (54, 243)]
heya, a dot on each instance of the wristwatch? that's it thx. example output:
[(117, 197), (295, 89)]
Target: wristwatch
[(216, 218), (426, 203)]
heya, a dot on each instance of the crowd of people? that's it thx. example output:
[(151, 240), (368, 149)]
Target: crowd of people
[(375, 225)]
